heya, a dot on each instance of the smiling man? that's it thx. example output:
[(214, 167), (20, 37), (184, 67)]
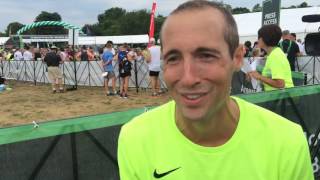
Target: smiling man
[(204, 133)]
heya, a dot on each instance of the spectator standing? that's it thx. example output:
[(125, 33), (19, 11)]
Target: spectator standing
[(301, 47), (18, 55), (37, 54), (290, 48), (53, 61), (91, 55), (112, 49), (82, 55), (248, 48), (154, 66), (63, 55), (27, 55), (107, 59), (276, 74)]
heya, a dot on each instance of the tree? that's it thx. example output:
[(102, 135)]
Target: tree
[(2, 34), (240, 10), (108, 22), (12, 28), (135, 22), (116, 21), (159, 20), (46, 16), (257, 8), (303, 5)]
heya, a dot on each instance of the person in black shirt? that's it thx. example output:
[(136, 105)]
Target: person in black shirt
[(248, 48), (53, 61), (290, 48)]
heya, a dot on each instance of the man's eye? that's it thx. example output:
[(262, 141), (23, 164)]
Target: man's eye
[(206, 56), (172, 60)]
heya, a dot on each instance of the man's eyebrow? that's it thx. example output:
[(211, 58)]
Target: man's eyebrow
[(205, 49), (173, 51)]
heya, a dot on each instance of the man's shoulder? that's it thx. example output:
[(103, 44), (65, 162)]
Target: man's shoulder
[(268, 121), (144, 123), (276, 54)]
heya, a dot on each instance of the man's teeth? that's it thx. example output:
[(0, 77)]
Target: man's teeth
[(193, 96)]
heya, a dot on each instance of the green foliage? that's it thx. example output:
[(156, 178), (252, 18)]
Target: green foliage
[(257, 8), (46, 30), (303, 5), (116, 21), (240, 10), (158, 24), (12, 28), (135, 22)]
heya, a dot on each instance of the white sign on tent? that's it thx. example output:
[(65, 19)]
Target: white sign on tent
[(73, 39)]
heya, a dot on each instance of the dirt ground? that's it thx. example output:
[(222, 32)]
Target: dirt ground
[(26, 103)]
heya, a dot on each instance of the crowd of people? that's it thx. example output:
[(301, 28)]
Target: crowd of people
[(289, 44), (32, 53), (123, 56)]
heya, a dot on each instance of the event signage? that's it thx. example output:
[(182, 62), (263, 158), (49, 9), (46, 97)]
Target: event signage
[(271, 12), (151, 28), (73, 37)]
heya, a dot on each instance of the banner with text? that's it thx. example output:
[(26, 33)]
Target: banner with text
[(271, 12)]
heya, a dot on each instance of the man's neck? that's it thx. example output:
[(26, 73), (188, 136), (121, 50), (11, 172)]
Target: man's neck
[(214, 131)]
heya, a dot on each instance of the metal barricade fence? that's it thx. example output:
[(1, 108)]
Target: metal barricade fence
[(88, 73)]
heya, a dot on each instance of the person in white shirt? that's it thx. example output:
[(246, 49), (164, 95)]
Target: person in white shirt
[(27, 55), (18, 55), (154, 65), (301, 47)]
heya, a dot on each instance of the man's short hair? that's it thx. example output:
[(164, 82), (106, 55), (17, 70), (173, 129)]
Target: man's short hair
[(270, 34), (231, 35), (108, 45), (293, 34), (285, 32)]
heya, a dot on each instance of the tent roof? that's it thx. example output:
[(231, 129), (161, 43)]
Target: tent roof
[(130, 39), (290, 19), (96, 40)]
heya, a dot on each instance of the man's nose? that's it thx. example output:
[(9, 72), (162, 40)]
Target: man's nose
[(190, 75)]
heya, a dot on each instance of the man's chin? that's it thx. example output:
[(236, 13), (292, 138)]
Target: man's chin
[(192, 116)]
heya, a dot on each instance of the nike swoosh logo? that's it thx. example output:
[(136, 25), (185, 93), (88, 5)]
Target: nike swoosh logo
[(156, 175)]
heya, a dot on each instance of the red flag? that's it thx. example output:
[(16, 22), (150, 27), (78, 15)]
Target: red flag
[(151, 28)]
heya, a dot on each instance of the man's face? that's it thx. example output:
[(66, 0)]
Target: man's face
[(197, 65)]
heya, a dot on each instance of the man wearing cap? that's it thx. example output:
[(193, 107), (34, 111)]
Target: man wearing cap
[(53, 61)]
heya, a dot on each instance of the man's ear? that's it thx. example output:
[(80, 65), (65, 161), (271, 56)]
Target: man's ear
[(238, 57)]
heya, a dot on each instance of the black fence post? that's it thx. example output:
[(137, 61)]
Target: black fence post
[(305, 78), (136, 75), (2, 73), (34, 72), (74, 61)]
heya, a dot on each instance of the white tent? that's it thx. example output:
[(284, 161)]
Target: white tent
[(3, 40), (290, 19), (96, 40), (101, 40)]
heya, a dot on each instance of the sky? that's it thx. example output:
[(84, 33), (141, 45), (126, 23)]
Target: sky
[(80, 12)]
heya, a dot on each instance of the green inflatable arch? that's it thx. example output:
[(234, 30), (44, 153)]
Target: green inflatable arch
[(46, 23)]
